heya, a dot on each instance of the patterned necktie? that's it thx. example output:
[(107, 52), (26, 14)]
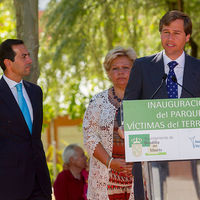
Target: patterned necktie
[(23, 106), (172, 87)]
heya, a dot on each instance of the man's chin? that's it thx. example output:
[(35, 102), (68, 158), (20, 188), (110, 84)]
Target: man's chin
[(27, 73)]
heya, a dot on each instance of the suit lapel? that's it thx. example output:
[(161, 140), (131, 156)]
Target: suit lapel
[(13, 108), (188, 77), (156, 73), (9, 99)]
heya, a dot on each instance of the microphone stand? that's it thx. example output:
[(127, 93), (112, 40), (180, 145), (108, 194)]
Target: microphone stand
[(174, 79), (163, 80)]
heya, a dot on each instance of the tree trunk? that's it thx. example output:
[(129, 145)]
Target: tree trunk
[(194, 48), (27, 30), (180, 5)]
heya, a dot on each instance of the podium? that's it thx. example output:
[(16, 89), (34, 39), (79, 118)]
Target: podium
[(174, 180), (164, 134)]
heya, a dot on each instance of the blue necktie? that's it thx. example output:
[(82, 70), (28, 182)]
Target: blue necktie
[(23, 106), (172, 87)]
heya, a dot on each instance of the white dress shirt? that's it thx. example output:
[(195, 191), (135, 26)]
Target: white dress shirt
[(178, 70), (13, 89)]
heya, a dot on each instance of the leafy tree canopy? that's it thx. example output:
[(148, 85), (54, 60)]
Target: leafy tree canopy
[(7, 20), (79, 33)]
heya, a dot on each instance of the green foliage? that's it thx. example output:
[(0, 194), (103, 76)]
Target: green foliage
[(58, 165), (7, 20), (79, 33), (192, 9), (50, 167)]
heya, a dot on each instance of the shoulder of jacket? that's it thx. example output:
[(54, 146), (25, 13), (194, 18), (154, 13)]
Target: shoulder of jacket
[(32, 85), (192, 58), (101, 95), (148, 58)]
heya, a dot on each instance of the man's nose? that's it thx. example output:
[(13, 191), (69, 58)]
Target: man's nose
[(29, 60), (171, 36)]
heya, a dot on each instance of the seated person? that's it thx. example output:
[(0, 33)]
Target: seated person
[(69, 184)]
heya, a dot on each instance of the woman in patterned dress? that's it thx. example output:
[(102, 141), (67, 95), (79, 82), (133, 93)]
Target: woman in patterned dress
[(110, 176)]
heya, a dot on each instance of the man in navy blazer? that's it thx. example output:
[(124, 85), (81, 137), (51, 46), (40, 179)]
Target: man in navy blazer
[(148, 74), (23, 170)]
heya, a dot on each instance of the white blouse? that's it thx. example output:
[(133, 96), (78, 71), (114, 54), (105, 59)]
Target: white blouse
[(98, 126)]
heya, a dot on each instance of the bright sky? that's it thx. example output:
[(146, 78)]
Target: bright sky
[(42, 4)]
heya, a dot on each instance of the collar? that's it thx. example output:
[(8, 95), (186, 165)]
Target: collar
[(180, 60), (10, 82)]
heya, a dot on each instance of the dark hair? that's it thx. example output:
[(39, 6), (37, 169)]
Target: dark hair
[(6, 51), (174, 15)]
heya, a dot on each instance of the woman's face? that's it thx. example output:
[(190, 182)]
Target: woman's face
[(119, 71)]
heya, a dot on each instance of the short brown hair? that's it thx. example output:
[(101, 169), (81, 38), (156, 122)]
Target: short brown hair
[(118, 51), (174, 15)]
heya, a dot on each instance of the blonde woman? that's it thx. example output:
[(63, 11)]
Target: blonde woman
[(110, 176)]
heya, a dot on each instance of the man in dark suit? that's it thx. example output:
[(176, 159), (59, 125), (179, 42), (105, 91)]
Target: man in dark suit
[(147, 74), (23, 170)]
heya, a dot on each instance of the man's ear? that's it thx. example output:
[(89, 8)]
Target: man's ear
[(187, 38), (7, 62)]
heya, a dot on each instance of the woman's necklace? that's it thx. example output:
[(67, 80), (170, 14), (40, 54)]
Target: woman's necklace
[(115, 96)]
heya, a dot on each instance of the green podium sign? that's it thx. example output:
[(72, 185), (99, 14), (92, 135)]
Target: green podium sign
[(162, 129)]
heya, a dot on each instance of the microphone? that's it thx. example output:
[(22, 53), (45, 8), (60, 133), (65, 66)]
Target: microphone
[(174, 79), (163, 80)]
